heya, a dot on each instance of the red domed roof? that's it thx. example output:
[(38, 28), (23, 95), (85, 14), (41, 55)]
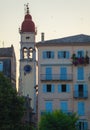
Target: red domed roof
[(28, 25)]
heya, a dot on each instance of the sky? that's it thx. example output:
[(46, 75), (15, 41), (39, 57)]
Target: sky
[(56, 18)]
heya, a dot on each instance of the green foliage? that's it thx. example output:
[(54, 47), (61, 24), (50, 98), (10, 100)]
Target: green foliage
[(58, 120), (11, 105)]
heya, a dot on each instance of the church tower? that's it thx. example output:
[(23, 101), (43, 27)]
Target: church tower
[(27, 68)]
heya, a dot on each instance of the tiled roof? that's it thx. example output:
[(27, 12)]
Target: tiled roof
[(70, 39), (6, 52)]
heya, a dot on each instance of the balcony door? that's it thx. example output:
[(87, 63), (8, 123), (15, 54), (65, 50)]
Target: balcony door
[(48, 73), (63, 73)]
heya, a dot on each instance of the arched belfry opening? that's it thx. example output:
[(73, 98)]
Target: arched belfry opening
[(25, 53), (30, 53)]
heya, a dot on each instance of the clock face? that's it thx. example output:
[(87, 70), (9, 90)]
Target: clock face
[(27, 68)]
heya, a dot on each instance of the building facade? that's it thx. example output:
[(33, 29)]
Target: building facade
[(64, 77), (27, 79), (8, 63)]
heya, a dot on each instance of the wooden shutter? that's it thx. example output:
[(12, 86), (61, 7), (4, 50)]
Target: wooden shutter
[(76, 92), (48, 106), (80, 73), (44, 88), (53, 88), (68, 87), (85, 91), (64, 106), (59, 88), (81, 108), (48, 73)]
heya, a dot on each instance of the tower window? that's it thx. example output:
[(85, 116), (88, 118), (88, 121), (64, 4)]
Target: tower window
[(30, 55), (25, 51)]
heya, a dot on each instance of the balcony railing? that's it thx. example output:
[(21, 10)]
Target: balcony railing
[(78, 94), (56, 77)]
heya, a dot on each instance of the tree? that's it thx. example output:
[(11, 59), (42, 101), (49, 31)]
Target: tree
[(11, 105), (58, 120)]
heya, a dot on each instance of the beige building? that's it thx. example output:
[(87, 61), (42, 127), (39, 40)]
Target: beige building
[(64, 77), (8, 63)]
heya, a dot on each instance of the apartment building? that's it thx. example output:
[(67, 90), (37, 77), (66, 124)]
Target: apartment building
[(8, 63), (64, 77)]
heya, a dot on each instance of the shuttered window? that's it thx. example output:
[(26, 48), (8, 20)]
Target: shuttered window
[(63, 88), (48, 54), (48, 88), (63, 54)]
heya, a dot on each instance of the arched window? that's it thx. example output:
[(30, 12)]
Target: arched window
[(30, 56), (25, 53)]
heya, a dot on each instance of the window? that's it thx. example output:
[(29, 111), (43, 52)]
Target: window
[(63, 54), (49, 88), (80, 73), (48, 106), (80, 53), (80, 91), (48, 54), (64, 106), (82, 125), (63, 88), (81, 108), (1, 66)]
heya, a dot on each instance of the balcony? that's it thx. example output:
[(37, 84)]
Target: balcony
[(78, 94), (56, 77), (80, 60)]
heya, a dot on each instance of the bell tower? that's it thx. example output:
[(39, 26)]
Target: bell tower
[(27, 70)]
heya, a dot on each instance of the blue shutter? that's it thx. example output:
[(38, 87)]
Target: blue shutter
[(44, 88), (64, 106), (67, 54), (85, 125), (44, 55), (81, 108), (53, 88), (1, 66), (59, 54), (59, 88), (80, 53), (76, 92), (80, 73), (85, 91), (68, 88), (63, 74), (48, 106), (52, 54), (48, 73)]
